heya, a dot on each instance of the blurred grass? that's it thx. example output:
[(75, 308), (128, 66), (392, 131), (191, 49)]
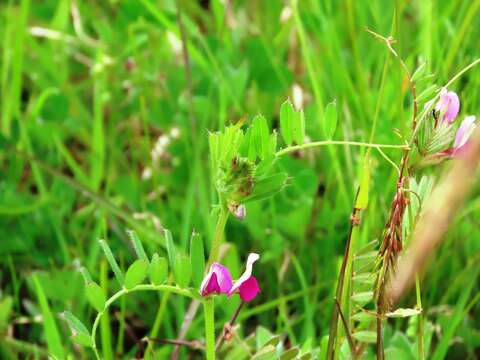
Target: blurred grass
[(89, 89)]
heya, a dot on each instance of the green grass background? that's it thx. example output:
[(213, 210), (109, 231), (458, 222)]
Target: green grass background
[(90, 100)]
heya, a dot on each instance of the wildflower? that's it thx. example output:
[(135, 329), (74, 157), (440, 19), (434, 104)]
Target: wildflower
[(241, 212), (463, 133), (219, 281), (247, 285), (448, 105)]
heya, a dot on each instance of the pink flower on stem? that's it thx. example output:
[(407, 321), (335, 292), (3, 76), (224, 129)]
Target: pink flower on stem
[(448, 105), (464, 131), (219, 281)]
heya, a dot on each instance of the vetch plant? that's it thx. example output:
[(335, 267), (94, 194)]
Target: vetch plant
[(243, 166)]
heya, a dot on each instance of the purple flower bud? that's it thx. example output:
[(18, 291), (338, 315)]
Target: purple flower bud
[(240, 212), (448, 105), (464, 131), (217, 281)]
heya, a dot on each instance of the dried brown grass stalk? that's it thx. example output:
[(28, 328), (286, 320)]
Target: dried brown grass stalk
[(437, 214)]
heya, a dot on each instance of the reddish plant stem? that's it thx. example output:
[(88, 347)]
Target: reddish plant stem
[(341, 280), (227, 328)]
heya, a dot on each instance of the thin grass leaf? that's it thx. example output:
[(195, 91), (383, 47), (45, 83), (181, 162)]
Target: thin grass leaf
[(137, 245), (51, 332), (170, 248), (368, 247), (112, 262)]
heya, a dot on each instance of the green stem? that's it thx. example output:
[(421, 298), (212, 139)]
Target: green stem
[(218, 236), (24, 347), (156, 325), (336, 142), (421, 351), (208, 309), (122, 292)]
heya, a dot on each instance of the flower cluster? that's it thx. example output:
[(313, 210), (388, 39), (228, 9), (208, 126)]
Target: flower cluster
[(219, 281)]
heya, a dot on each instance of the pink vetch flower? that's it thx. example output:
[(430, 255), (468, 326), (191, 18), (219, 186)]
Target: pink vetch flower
[(219, 281), (464, 131), (247, 285), (448, 105), (241, 212)]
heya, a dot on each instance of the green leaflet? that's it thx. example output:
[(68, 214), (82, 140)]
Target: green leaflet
[(197, 258), (183, 271), (158, 270), (292, 124), (80, 333), (170, 248), (286, 120), (95, 296), (329, 124), (136, 273)]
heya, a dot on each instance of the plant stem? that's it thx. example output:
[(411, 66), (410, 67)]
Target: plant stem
[(340, 289), (208, 310), (421, 352), (337, 142), (156, 324), (218, 236), (122, 292), (222, 337)]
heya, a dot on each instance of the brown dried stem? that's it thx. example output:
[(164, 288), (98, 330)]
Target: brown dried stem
[(437, 214)]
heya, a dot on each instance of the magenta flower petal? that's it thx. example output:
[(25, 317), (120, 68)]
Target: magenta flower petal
[(247, 274), (217, 281), (212, 286), (249, 289), (448, 105), (464, 131)]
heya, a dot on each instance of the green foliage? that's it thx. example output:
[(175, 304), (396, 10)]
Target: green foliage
[(136, 273), (183, 271), (80, 333), (292, 124), (197, 258), (49, 324), (5, 310), (158, 270), (329, 123), (112, 262), (95, 296), (172, 253)]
